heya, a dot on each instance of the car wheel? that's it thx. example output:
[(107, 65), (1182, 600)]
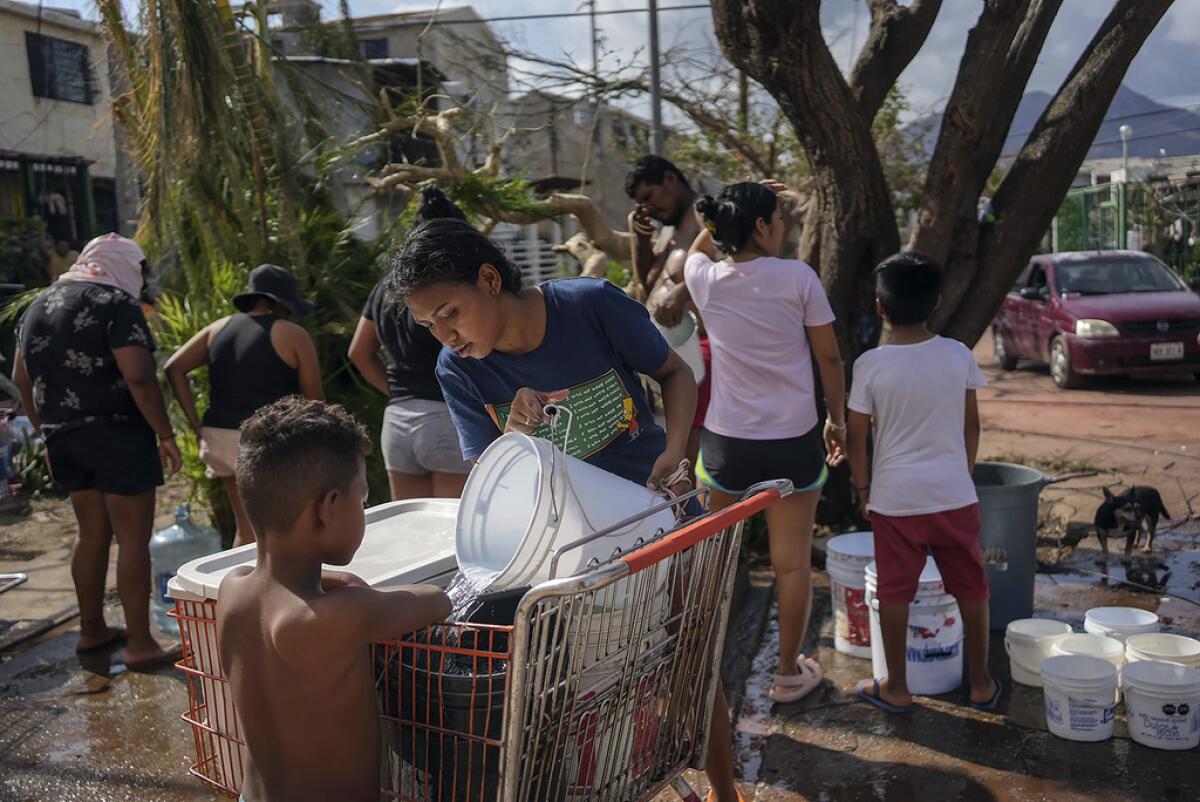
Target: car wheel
[(1004, 358), (1061, 372)]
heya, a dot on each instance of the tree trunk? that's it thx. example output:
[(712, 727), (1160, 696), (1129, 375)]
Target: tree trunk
[(1034, 187), (850, 225)]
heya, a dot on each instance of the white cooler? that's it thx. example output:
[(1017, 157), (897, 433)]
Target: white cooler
[(405, 543)]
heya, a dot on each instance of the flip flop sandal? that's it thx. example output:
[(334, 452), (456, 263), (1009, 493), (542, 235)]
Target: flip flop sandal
[(798, 685), (712, 797), (164, 660), (990, 704), (877, 700), (116, 637)]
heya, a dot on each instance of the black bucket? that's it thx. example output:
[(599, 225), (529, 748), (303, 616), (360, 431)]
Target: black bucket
[(453, 693)]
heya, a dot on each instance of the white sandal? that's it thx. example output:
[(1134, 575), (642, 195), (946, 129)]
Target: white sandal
[(797, 685)]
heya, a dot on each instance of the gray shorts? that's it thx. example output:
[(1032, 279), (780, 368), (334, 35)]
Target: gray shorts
[(419, 438)]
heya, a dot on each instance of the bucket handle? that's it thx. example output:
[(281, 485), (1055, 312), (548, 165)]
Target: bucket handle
[(1018, 663), (553, 411)]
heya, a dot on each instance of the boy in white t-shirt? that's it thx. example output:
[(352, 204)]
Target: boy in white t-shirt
[(920, 389)]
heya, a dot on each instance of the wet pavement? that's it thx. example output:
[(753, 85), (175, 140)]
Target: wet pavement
[(93, 731), (834, 748), (84, 728), (72, 730)]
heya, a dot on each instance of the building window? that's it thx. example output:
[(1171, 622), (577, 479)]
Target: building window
[(60, 69), (373, 48)]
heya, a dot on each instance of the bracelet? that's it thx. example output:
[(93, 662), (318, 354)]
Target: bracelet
[(841, 427), (862, 489)]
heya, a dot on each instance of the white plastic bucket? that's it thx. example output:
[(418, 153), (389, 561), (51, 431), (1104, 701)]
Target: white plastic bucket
[(1163, 647), (1119, 622), (1088, 645), (846, 560), (1162, 704), (935, 634), (525, 498), (685, 339), (1080, 695), (1029, 641)]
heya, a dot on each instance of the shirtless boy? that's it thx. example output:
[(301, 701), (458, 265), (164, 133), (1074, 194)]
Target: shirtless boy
[(294, 638)]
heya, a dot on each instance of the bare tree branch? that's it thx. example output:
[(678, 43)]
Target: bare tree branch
[(951, 191), (897, 35)]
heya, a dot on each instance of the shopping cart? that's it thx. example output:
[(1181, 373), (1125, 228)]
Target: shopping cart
[(600, 690)]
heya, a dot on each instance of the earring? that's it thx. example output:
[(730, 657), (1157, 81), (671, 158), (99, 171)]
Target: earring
[(493, 291)]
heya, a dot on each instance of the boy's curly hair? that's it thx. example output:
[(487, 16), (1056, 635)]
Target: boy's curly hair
[(293, 452)]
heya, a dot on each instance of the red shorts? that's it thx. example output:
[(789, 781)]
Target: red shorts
[(704, 389), (952, 537)]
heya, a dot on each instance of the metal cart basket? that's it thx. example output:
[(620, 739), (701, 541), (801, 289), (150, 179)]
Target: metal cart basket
[(600, 690)]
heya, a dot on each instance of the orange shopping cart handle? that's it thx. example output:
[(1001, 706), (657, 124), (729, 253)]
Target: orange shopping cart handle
[(705, 527)]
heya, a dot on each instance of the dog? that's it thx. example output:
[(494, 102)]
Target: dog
[(1148, 508), (1131, 513), (1116, 516)]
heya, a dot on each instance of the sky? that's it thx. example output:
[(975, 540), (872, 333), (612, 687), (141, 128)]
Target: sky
[(1167, 69)]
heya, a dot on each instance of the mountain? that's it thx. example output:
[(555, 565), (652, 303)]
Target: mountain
[(1155, 126)]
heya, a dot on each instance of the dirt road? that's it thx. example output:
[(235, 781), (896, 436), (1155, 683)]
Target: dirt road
[(1136, 432)]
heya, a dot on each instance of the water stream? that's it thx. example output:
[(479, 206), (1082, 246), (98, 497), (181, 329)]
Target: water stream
[(753, 725), (465, 589)]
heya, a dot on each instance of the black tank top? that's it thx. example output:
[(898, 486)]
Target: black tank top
[(245, 372)]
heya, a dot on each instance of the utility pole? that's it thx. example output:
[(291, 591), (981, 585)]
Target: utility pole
[(595, 42), (655, 83), (1126, 132)]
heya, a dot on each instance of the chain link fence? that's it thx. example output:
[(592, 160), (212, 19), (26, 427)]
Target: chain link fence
[(1161, 217)]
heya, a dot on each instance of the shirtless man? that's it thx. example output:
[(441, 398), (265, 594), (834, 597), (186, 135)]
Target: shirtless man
[(294, 639), (663, 194)]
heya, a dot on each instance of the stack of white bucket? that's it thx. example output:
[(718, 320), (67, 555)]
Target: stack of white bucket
[(1083, 676)]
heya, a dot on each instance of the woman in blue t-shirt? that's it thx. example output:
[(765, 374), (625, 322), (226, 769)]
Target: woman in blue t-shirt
[(510, 350)]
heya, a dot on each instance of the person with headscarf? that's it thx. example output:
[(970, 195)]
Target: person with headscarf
[(86, 373), (254, 358)]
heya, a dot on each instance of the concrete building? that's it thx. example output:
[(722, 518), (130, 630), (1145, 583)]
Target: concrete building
[(470, 61), (58, 156), (331, 85), (1172, 168), (573, 138)]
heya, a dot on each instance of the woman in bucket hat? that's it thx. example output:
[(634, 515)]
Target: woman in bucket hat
[(254, 357), (86, 373)]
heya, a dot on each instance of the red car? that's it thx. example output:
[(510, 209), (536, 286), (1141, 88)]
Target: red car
[(1099, 313)]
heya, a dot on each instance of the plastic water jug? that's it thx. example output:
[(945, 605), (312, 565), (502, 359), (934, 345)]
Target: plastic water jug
[(182, 542)]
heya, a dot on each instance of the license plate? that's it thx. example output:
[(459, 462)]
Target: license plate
[(1159, 351)]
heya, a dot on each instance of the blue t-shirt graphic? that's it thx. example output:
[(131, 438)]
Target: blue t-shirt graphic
[(597, 340)]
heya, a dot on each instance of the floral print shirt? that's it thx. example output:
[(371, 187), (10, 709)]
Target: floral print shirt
[(67, 338)]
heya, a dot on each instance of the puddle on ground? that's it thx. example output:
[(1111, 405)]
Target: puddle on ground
[(753, 725), (1166, 581)]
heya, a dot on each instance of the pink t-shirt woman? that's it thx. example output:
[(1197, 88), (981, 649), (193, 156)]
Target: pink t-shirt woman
[(757, 313), (768, 320)]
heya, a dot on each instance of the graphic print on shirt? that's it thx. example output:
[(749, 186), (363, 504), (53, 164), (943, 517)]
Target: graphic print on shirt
[(602, 410)]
